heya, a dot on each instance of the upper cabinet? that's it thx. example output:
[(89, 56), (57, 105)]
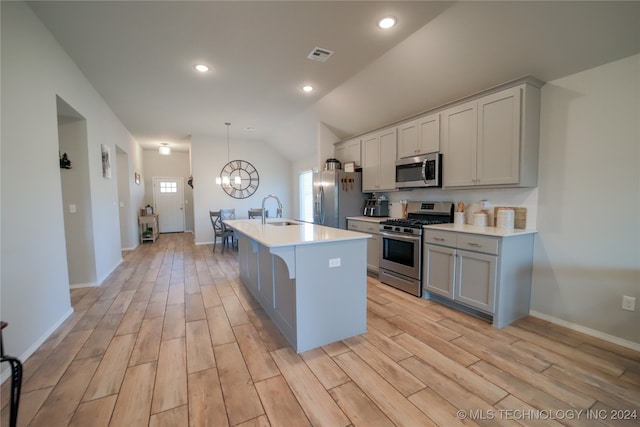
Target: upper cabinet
[(349, 151), (378, 161), (420, 136), (493, 141)]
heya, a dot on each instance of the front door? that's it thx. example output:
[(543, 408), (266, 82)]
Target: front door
[(168, 200)]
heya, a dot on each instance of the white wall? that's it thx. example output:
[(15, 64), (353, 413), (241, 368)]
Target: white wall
[(587, 251), (209, 155), (35, 280), (175, 165), (81, 261)]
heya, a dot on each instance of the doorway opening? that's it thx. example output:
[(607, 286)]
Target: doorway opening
[(76, 196)]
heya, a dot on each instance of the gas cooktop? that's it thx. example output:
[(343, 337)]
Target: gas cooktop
[(414, 222)]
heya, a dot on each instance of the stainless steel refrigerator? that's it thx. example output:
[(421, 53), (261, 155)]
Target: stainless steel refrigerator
[(336, 195)]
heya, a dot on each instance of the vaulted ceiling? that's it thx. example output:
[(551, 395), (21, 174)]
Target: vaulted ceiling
[(140, 56)]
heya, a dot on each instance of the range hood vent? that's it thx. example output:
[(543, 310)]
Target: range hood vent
[(319, 54)]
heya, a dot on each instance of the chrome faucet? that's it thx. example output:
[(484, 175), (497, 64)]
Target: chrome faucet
[(278, 212)]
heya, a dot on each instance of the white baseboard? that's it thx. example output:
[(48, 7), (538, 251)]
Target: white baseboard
[(24, 356), (101, 280), (84, 285), (574, 326)]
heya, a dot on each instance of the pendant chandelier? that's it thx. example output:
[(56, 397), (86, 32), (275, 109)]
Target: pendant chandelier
[(225, 180)]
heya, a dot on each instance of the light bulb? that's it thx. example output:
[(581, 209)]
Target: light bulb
[(387, 22)]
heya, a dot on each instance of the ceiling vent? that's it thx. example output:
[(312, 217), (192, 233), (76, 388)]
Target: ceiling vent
[(319, 54)]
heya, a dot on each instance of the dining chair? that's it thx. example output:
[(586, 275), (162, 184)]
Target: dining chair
[(219, 230), (256, 213), (229, 214)]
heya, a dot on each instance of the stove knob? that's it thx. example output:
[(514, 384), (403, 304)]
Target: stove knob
[(397, 229), (408, 230)]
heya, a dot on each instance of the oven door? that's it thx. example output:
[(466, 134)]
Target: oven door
[(401, 254)]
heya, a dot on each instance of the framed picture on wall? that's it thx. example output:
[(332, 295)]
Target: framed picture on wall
[(106, 161), (136, 176)]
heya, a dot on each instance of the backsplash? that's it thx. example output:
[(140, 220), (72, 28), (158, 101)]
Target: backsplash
[(517, 197)]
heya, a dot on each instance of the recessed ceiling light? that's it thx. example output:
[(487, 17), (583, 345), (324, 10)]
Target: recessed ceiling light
[(249, 129), (307, 88), (202, 68), (387, 22)]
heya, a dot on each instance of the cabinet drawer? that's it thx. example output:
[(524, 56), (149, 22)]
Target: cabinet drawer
[(355, 225), (363, 226), (440, 238), (371, 227), (472, 242)]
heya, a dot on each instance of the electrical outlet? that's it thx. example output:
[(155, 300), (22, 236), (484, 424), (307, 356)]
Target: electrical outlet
[(334, 262), (628, 303)]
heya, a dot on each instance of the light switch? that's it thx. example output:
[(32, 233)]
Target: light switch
[(122, 204), (334, 262), (73, 209)]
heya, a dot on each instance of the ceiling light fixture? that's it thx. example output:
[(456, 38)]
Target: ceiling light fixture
[(387, 22), (225, 180), (164, 149), (202, 68), (307, 88)]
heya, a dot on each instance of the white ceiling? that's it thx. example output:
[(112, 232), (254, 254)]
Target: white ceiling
[(140, 56)]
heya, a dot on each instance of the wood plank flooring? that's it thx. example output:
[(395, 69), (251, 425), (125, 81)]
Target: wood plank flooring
[(172, 338)]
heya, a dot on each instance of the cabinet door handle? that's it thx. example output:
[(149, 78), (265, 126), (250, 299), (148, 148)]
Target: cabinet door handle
[(476, 245), (439, 239)]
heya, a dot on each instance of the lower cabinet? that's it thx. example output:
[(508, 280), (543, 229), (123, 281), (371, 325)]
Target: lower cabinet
[(491, 275), (439, 262), (476, 280), (373, 244)]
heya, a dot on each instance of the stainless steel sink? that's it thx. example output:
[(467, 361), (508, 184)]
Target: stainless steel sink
[(282, 223)]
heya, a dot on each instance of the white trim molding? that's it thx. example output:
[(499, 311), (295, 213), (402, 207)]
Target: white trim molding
[(24, 356), (597, 334)]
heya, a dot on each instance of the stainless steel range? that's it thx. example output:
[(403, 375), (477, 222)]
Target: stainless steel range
[(401, 246)]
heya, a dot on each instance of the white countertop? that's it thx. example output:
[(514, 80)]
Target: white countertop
[(376, 219), (301, 233), (487, 231)]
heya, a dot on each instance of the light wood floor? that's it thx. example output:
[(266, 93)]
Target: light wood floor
[(173, 339)]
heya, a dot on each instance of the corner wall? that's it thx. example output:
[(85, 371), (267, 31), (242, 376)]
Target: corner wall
[(587, 251), (35, 279)]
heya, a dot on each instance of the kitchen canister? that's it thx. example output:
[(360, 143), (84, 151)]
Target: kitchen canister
[(480, 219), (505, 219), (458, 218)]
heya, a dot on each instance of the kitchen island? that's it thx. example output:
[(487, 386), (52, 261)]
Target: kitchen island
[(310, 279)]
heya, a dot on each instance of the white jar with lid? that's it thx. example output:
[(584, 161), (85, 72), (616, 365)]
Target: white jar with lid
[(505, 219), (480, 219)]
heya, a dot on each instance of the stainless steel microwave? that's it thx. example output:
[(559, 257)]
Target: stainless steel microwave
[(419, 171)]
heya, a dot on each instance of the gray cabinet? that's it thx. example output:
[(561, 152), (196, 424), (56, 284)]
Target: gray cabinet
[(373, 244), (349, 151), (439, 270), (420, 136), (485, 273), (475, 282), (492, 141), (379, 161)]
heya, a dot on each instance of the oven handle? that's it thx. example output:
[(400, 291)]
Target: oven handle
[(400, 237)]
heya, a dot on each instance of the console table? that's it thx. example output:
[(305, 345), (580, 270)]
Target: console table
[(146, 223)]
